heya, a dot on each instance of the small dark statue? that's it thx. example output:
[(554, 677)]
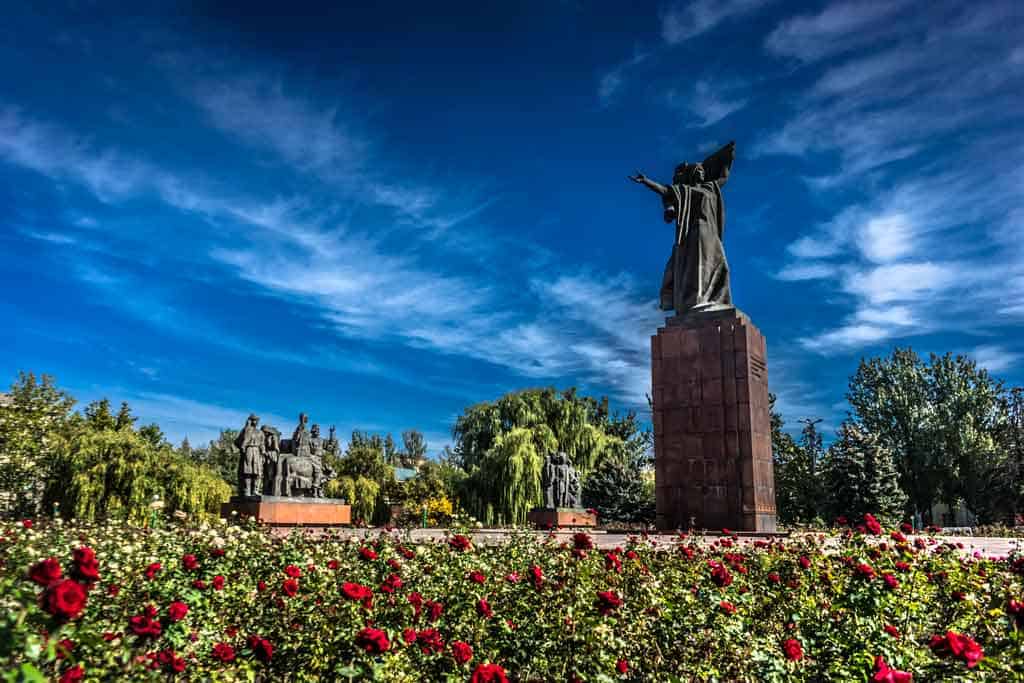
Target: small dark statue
[(561, 482), (271, 461), (250, 443), (697, 274)]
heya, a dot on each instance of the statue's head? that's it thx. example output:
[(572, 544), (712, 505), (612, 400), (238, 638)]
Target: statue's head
[(253, 420), (688, 174), (315, 431), (303, 418)]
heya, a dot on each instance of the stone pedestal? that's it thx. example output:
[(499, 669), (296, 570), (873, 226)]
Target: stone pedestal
[(283, 511), (556, 518), (712, 431)]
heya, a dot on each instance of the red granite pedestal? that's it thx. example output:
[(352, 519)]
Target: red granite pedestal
[(282, 511), (712, 431), (557, 518)]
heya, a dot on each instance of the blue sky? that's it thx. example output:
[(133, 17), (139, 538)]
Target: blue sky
[(381, 216)]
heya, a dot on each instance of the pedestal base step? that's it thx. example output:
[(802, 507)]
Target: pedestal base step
[(550, 518), (280, 511)]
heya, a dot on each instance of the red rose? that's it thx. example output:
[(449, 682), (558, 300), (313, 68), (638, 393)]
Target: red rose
[(891, 630), (512, 577), (891, 581), (720, 574), (416, 600), (373, 640), (582, 541), (355, 591), (217, 582), (622, 666), (86, 569), (409, 636), (216, 552), (293, 571), (45, 572), (1016, 608), (805, 562), (261, 648), (484, 609), (865, 571), (607, 602), (290, 587), (460, 543), (368, 554), (612, 563), (477, 577), (461, 651), (224, 652), (434, 610), (64, 599), (171, 661), (774, 577), (727, 607), (73, 675), (488, 673), (872, 524), (199, 584), (430, 641), (959, 646), (885, 674), (538, 576), (793, 649), (261, 586), (177, 611), (902, 566), (333, 564), (152, 569), (64, 648), (391, 584), (189, 562), (145, 625), (27, 523)]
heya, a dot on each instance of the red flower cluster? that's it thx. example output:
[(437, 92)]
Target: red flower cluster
[(720, 574), (177, 611), (45, 572), (727, 607), (582, 541), (292, 571), (368, 554), (85, 568), (477, 577), (612, 562), (460, 543), (607, 602), (864, 571), (73, 675), (391, 584), (871, 524), (373, 640), (223, 652), (217, 582), (261, 648), (430, 641), (189, 562), (290, 587), (461, 651), (793, 649), (484, 609), (153, 569), (538, 576), (885, 674), (488, 673), (64, 599), (146, 625), (958, 646)]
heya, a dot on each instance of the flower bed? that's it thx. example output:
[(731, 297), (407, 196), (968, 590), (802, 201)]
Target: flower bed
[(233, 603)]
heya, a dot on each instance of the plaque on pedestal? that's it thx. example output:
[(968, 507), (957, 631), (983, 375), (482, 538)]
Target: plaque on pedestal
[(558, 518), (288, 511), (712, 430)]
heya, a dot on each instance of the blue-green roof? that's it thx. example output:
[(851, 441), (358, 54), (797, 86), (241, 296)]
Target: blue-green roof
[(405, 473)]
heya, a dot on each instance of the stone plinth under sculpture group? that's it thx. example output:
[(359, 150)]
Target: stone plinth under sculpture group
[(281, 481)]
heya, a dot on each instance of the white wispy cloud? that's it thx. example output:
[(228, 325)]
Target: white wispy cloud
[(839, 27), (995, 358), (614, 79), (709, 101), (681, 22)]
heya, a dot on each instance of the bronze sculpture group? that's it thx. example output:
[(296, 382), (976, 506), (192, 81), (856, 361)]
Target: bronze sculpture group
[(560, 482), (271, 466)]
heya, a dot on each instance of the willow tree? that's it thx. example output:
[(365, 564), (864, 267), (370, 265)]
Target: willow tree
[(502, 445)]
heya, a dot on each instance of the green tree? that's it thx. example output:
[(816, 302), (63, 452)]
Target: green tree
[(860, 477), (940, 420), (619, 493), (502, 446), (363, 475), (98, 416), (414, 448), (221, 456), (797, 480), (34, 422)]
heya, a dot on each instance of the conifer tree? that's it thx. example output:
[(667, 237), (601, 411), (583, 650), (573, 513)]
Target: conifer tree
[(861, 477)]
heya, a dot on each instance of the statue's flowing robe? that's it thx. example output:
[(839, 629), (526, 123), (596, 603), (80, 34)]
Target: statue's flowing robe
[(697, 272), (251, 441)]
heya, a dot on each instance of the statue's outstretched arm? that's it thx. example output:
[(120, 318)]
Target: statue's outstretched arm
[(649, 184)]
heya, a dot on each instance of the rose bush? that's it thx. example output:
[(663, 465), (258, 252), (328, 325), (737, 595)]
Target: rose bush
[(229, 602)]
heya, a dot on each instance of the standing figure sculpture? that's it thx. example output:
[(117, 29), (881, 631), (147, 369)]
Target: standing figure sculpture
[(300, 438), (250, 462), (271, 461), (697, 273), (560, 482)]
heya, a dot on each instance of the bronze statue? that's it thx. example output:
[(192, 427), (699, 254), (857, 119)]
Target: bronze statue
[(697, 273), (271, 461), (560, 482), (300, 438), (250, 463)]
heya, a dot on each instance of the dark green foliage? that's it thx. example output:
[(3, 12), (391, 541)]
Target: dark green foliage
[(798, 486), (414, 448), (619, 493), (221, 456), (860, 477)]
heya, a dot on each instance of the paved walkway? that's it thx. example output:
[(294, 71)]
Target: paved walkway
[(987, 546)]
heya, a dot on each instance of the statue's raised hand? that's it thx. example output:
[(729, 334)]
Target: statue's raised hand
[(638, 178)]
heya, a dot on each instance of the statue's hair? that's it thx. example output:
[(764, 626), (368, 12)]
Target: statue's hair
[(685, 172)]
